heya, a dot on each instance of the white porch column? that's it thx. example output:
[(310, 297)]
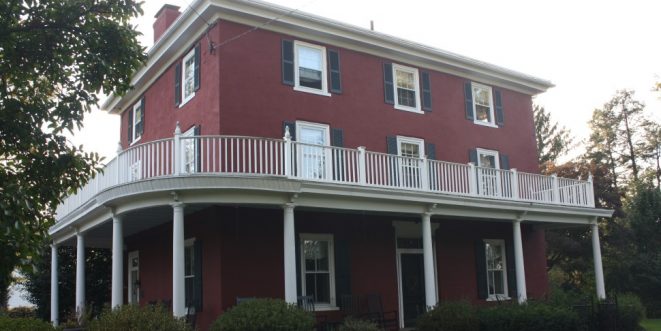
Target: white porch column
[(428, 256), (80, 274), (117, 296), (598, 269), (178, 283), (522, 296), (54, 290), (290, 254)]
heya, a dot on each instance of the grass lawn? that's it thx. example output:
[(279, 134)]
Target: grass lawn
[(652, 325)]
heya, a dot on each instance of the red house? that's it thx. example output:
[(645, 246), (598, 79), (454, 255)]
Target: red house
[(304, 157)]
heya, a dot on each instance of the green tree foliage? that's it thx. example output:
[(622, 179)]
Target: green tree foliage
[(552, 141), (651, 151), (98, 269), (56, 57)]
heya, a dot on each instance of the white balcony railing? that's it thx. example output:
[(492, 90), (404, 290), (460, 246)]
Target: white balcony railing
[(251, 156)]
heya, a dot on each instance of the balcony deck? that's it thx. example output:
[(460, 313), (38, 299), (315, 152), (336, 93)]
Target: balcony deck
[(253, 156)]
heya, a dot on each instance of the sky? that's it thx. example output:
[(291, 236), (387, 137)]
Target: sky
[(589, 49)]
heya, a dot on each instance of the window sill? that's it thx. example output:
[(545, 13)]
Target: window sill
[(311, 90), (326, 308), (409, 109), (498, 298), (135, 141), (185, 101), (491, 125)]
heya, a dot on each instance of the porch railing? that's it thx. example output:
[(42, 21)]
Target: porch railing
[(250, 156)]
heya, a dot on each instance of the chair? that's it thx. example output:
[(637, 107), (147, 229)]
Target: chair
[(350, 305), (191, 316), (306, 302), (387, 320)]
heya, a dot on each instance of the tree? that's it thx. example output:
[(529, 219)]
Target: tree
[(56, 57), (552, 141), (651, 149)]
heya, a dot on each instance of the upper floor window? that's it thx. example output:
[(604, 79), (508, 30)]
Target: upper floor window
[(487, 158), (136, 121), (483, 105), (310, 68), (318, 269), (187, 77), (406, 87)]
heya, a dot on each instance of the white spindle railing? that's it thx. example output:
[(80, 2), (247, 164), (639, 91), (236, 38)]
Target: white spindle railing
[(234, 155)]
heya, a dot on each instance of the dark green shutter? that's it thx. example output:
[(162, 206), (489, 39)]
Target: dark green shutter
[(299, 286), (142, 116), (500, 120), (337, 137), (388, 86), (472, 156), (430, 150), (504, 162), (177, 84), (292, 129), (391, 145), (481, 269), (198, 275), (468, 95), (198, 62), (391, 148), (511, 270), (130, 125), (335, 76), (426, 91), (288, 62), (342, 268)]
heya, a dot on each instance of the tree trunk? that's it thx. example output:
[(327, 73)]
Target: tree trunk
[(629, 137)]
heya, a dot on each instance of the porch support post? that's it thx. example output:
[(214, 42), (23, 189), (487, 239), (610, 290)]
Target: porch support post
[(290, 254), (522, 296), (80, 275), (428, 256), (117, 296), (54, 290), (598, 269), (178, 283)]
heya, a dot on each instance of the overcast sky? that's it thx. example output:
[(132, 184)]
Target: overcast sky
[(588, 48)]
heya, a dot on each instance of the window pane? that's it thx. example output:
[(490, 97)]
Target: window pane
[(481, 96), (487, 161), (405, 80), (318, 285), (322, 257), (190, 283), (498, 282), (188, 261), (406, 97), (483, 113), (410, 150), (309, 67), (189, 67)]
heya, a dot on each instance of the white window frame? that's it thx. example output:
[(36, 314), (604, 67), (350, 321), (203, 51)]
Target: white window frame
[(331, 268), (134, 133), (324, 70), (485, 177), (131, 282), (189, 133), (491, 123), (328, 161), (189, 243), (489, 152), (405, 164), (497, 296), (416, 82), (185, 98)]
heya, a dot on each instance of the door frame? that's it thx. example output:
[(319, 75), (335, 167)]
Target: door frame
[(131, 282), (328, 162)]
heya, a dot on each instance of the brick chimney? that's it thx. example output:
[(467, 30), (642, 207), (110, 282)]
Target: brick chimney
[(164, 18)]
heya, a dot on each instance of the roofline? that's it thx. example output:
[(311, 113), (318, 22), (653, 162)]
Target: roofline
[(248, 11)]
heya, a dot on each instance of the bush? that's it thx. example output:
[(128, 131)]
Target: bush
[(351, 324), (531, 316), (21, 312), (449, 316), (24, 324), (264, 315), (135, 318), (630, 312)]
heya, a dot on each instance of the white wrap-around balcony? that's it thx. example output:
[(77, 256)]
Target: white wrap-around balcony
[(254, 156)]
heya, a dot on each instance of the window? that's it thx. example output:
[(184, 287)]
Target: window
[(496, 269), (189, 147), (133, 277), (407, 91), (318, 269), (188, 77), (488, 176), (482, 105), (310, 68), (137, 121), (314, 162), (189, 270), (412, 148)]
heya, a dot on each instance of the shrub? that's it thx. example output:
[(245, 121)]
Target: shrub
[(264, 315), (449, 316), (531, 316), (21, 312), (24, 324), (351, 324), (135, 318), (630, 312)]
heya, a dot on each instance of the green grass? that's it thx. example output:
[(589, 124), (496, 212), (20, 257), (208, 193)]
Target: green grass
[(652, 325)]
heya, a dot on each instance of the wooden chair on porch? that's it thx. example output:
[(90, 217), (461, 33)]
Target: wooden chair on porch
[(386, 320), (351, 306)]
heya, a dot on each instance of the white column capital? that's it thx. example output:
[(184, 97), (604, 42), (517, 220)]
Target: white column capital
[(178, 204), (289, 205)]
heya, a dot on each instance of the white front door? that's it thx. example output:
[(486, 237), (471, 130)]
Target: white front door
[(314, 162), (409, 167), (134, 277), (488, 177)]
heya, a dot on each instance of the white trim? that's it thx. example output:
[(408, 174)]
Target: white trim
[(416, 82), (328, 169), (492, 122), (497, 296), (489, 152), (131, 281), (189, 133), (134, 137), (332, 305), (324, 70), (410, 140), (184, 97)]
